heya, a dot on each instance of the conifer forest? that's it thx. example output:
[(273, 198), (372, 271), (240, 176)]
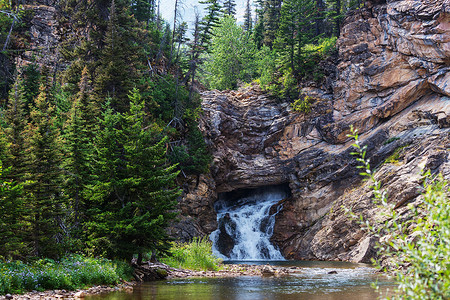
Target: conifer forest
[(123, 129)]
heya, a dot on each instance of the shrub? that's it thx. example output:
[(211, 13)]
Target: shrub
[(417, 247), (303, 105), (196, 255), (69, 273)]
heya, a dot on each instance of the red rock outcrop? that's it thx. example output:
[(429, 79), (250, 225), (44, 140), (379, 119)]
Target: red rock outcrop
[(392, 84)]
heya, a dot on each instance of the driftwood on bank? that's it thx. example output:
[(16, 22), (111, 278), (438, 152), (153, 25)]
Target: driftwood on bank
[(149, 271)]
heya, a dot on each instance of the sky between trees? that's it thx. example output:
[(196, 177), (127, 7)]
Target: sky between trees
[(188, 13)]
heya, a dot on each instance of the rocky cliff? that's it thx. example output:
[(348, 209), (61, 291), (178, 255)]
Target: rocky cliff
[(392, 84)]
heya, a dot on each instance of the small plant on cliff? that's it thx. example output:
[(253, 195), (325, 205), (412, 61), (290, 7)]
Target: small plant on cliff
[(417, 248), (303, 104), (196, 255)]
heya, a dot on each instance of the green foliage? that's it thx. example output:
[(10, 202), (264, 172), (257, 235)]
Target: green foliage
[(45, 177), (285, 86), (194, 157), (196, 255), (266, 65), (323, 48), (393, 159), (231, 56), (392, 139), (133, 195), (162, 96), (295, 31), (416, 247), (12, 222), (70, 273), (303, 104)]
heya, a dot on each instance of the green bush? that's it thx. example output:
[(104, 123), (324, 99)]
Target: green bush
[(196, 255), (416, 247), (303, 105), (69, 273)]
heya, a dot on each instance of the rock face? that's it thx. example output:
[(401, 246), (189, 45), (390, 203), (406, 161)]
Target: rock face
[(45, 35), (392, 84)]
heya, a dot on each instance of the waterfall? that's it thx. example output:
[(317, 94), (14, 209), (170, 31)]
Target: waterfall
[(245, 224)]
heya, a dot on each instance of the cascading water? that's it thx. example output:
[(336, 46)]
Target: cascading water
[(246, 225)]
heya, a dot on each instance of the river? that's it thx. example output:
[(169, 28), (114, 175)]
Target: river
[(348, 282)]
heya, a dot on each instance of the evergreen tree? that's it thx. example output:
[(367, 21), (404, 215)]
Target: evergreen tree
[(31, 77), (16, 121), (79, 136), (202, 37), (12, 221), (149, 185), (231, 57), (295, 31), (272, 12), (229, 8), (335, 14), (144, 10), (101, 193), (258, 32), (209, 21), (248, 21), (134, 192), (120, 59), (47, 200)]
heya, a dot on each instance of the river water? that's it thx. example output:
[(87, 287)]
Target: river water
[(350, 282)]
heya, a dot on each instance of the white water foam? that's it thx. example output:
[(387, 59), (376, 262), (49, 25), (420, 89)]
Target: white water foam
[(249, 223)]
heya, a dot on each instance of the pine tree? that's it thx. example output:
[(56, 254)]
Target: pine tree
[(272, 13), (12, 218), (13, 211), (335, 13), (229, 8), (134, 193), (103, 188), (144, 10), (16, 120), (258, 32), (202, 38), (248, 21), (80, 132), (47, 200), (295, 31), (149, 185), (119, 59)]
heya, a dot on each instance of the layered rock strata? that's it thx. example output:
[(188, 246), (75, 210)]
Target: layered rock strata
[(392, 84)]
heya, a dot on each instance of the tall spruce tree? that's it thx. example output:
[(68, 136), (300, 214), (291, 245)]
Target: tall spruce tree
[(16, 121), (248, 21), (13, 217), (104, 187), (79, 135), (229, 8), (44, 188), (202, 38), (119, 59), (150, 189), (134, 192), (272, 13), (258, 32), (296, 29)]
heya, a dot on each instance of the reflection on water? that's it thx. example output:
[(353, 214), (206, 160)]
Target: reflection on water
[(350, 282)]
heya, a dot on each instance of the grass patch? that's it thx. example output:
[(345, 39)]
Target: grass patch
[(196, 255), (392, 139), (393, 159), (70, 273)]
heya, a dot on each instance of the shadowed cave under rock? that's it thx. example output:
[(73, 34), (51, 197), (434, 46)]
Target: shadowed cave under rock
[(246, 218)]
